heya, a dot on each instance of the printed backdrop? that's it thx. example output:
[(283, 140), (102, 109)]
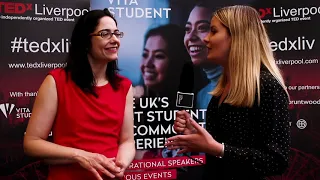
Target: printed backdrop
[(161, 38)]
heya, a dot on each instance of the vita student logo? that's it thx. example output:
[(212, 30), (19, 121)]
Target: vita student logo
[(280, 12), (8, 108), (40, 10)]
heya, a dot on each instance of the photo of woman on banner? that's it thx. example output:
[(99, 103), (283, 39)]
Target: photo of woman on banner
[(163, 58), (247, 133), (197, 28)]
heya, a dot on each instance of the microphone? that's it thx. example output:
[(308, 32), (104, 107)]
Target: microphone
[(185, 95), (184, 100)]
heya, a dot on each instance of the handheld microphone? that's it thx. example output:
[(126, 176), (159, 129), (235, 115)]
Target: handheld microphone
[(185, 94)]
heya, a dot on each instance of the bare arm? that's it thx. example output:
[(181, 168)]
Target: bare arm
[(40, 124), (126, 151)]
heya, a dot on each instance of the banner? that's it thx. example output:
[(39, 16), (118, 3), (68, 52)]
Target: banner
[(161, 39), (35, 38)]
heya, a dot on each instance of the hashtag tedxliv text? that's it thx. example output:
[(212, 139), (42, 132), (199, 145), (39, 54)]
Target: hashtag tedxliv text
[(48, 46)]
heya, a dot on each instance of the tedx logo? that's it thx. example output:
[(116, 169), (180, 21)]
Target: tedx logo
[(6, 109), (14, 8), (265, 11)]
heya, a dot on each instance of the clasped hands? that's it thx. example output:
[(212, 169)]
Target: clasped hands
[(100, 165), (193, 137)]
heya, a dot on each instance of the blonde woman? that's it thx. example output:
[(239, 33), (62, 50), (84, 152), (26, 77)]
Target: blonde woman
[(247, 133)]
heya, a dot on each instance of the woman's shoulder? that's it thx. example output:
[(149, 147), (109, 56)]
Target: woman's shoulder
[(269, 84), (57, 73), (124, 79), (59, 76), (124, 82), (267, 79)]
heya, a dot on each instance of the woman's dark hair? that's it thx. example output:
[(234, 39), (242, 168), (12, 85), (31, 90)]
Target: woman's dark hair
[(77, 61)]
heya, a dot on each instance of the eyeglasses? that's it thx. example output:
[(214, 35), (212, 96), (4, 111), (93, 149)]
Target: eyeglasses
[(106, 34)]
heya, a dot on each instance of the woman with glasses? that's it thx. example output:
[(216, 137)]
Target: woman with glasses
[(88, 107)]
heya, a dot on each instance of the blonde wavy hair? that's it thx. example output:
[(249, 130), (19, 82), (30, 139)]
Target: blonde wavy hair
[(249, 50)]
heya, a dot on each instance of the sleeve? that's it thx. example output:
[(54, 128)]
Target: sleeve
[(126, 84), (272, 133), (59, 76)]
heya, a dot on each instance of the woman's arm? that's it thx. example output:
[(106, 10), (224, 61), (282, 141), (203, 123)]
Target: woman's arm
[(40, 124), (127, 150)]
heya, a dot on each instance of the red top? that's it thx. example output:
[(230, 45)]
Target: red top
[(86, 122)]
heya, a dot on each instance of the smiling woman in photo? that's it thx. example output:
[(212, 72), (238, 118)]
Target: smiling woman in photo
[(163, 58), (196, 29)]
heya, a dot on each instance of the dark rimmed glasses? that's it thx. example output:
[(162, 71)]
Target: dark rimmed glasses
[(106, 34)]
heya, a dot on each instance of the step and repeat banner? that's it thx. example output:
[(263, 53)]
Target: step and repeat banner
[(161, 38)]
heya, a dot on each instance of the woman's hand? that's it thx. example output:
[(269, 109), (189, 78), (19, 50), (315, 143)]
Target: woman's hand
[(97, 163), (197, 141), (181, 125), (122, 169)]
